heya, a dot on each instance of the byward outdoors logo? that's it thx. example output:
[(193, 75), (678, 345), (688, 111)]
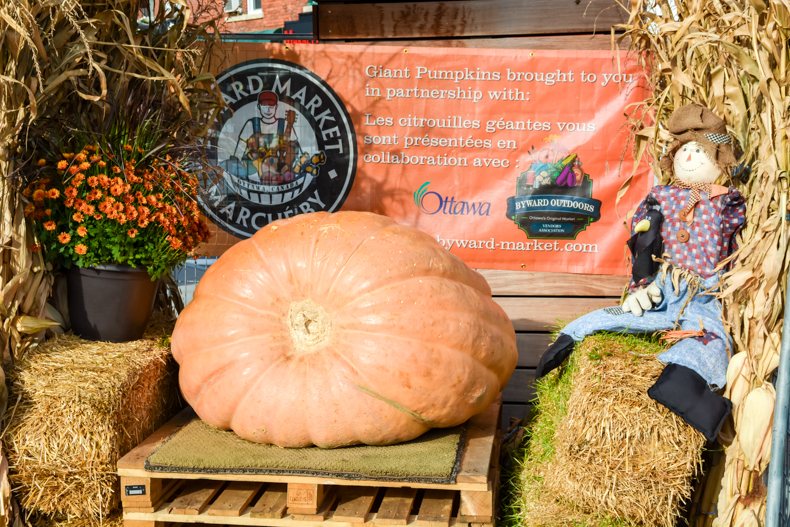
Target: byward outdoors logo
[(432, 202), (284, 146), (553, 197)]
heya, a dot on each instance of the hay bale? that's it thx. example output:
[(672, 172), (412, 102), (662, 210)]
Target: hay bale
[(603, 452), (115, 520), (77, 406)]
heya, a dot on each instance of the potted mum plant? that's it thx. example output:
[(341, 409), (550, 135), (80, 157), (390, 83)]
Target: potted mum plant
[(117, 216)]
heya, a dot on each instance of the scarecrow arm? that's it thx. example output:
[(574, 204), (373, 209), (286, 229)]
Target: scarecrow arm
[(733, 218)]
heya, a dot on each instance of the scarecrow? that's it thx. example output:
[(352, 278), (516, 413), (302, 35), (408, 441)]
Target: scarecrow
[(681, 234)]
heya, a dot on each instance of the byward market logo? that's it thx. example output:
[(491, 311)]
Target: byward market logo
[(553, 197), (284, 146), (432, 202)]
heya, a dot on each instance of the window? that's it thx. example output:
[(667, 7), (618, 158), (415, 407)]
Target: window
[(254, 6), (232, 6)]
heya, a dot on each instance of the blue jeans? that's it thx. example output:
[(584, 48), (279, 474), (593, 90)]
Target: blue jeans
[(707, 355)]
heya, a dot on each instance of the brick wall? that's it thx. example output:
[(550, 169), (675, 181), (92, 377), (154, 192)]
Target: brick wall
[(275, 14)]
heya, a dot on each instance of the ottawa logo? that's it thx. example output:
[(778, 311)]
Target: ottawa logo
[(553, 197), (284, 146)]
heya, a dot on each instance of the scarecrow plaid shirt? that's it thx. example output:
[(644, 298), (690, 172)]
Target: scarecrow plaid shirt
[(698, 246)]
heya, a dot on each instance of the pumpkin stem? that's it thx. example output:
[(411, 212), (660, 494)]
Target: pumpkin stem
[(309, 324)]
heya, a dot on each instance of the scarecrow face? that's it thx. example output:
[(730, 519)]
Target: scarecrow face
[(692, 164)]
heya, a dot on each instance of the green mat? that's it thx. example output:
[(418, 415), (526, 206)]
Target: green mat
[(198, 448)]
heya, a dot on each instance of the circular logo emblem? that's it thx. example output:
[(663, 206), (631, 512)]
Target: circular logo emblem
[(284, 146)]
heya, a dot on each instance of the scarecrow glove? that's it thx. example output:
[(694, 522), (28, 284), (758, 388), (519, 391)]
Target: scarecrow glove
[(643, 299)]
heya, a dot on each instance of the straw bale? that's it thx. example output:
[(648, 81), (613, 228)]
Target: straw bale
[(116, 520), (618, 457), (77, 407)]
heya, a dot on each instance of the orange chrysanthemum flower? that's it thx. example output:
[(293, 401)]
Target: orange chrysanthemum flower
[(50, 225), (116, 170), (29, 209), (128, 148), (82, 230), (175, 243), (131, 233), (53, 193), (80, 157), (63, 164), (102, 164), (73, 169), (70, 192), (64, 238), (95, 158), (93, 181), (39, 195), (78, 217), (85, 165), (80, 249)]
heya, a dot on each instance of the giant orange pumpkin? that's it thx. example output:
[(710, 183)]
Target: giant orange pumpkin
[(335, 329)]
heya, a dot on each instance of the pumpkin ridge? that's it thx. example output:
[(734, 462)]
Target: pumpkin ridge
[(246, 306), (258, 378), (394, 336), (361, 376), (401, 280), (340, 269), (240, 340), (489, 373), (274, 277), (195, 403)]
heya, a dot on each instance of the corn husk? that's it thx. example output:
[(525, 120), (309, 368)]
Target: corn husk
[(739, 377), (754, 432)]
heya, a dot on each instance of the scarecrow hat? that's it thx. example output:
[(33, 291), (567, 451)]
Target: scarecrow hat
[(696, 123)]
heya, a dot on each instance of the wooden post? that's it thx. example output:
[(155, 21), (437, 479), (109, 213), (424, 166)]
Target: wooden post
[(305, 498)]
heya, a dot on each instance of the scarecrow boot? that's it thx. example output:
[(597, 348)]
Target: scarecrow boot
[(555, 355), (688, 395)]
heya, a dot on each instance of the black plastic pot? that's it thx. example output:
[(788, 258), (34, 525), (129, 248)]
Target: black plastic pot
[(111, 303)]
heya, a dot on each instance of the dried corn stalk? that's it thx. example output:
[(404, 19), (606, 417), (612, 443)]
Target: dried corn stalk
[(732, 56)]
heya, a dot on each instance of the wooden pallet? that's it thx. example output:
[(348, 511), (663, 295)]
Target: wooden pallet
[(153, 499)]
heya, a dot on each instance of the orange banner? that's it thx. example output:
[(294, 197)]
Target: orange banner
[(512, 159)]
